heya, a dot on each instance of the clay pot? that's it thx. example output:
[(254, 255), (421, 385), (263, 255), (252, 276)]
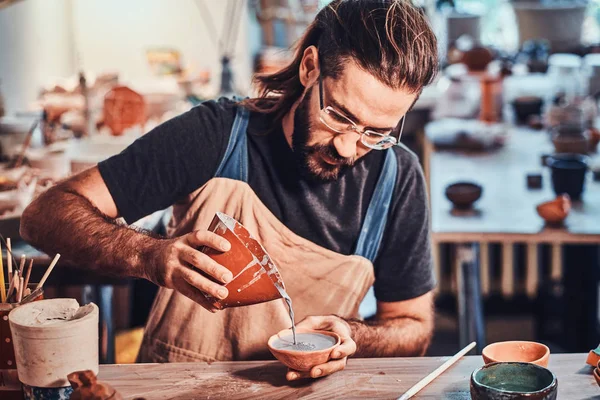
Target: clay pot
[(517, 351), (513, 380), (463, 194), (49, 345), (254, 274), (526, 106), (123, 108), (568, 174), (555, 211), (569, 139), (477, 58), (302, 360)]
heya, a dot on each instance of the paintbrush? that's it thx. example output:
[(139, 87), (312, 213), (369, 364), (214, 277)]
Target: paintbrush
[(2, 282), (20, 292), (14, 285), (21, 265), (48, 271)]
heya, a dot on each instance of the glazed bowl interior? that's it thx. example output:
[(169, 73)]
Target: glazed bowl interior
[(305, 359), (522, 378)]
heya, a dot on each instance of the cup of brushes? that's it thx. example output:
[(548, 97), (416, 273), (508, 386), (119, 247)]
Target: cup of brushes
[(15, 290)]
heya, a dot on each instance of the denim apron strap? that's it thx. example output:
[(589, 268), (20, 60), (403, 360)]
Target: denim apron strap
[(376, 218), (234, 164), (373, 226)]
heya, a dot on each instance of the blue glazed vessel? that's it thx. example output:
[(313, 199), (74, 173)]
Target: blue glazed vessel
[(512, 381), (36, 393)]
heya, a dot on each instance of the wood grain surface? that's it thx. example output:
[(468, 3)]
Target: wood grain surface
[(385, 378)]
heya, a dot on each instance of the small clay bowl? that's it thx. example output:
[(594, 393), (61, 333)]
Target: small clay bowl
[(596, 373), (556, 211), (593, 358), (302, 360), (517, 351), (463, 194), (513, 380)]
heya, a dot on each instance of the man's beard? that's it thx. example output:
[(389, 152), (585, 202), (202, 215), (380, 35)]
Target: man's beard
[(309, 158)]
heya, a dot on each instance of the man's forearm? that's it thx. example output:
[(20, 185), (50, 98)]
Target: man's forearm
[(63, 221), (397, 337)]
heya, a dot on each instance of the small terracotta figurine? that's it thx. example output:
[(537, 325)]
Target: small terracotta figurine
[(86, 386)]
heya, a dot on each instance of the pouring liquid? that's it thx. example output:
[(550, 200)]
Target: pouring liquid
[(288, 300)]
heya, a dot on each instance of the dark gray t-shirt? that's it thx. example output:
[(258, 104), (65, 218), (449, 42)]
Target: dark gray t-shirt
[(182, 154)]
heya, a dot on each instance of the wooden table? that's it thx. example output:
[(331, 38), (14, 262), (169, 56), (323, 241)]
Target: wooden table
[(506, 213), (385, 378)]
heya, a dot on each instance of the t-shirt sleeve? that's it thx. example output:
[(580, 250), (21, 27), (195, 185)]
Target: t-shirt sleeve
[(404, 266), (170, 161)]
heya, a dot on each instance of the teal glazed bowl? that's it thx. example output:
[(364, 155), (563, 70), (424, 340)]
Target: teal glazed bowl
[(513, 380)]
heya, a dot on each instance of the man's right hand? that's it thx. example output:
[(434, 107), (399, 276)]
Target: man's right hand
[(175, 264)]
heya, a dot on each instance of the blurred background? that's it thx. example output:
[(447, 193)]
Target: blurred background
[(507, 136)]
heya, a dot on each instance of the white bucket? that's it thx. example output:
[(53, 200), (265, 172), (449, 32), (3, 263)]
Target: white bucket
[(53, 338)]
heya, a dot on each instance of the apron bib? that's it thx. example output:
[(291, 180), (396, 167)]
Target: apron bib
[(319, 281)]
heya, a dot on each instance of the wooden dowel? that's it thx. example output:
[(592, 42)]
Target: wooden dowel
[(9, 259), (28, 274), (532, 277), (508, 275), (21, 265), (484, 267), (48, 271), (440, 370), (2, 282), (20, 292)]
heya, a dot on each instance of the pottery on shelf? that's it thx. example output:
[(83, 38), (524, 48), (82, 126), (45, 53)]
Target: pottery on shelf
[(568, 172), (302, 360), (526, 106), (555, 211), (255, 276), (570, 139), (463, 194), (513, 380), (517, 351), (123, 109)]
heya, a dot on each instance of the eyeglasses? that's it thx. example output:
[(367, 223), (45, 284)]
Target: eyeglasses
[(338, 122)]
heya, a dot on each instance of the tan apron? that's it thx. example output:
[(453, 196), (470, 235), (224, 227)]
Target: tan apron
[(319, 282)]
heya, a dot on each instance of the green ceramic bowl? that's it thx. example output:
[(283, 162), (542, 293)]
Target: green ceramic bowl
[(513, 380)]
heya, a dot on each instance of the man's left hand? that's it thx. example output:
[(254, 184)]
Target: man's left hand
[(339, 355)]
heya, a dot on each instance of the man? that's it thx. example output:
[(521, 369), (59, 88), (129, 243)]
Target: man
[(309, 167)]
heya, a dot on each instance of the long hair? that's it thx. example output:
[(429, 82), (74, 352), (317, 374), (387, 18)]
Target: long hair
[(390, 39)]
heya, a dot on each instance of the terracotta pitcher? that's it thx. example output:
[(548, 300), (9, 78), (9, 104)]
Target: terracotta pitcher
[(255, 277)]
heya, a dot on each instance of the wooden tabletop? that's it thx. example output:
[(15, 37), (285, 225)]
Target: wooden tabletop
[(507, 208), (385, 378)]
